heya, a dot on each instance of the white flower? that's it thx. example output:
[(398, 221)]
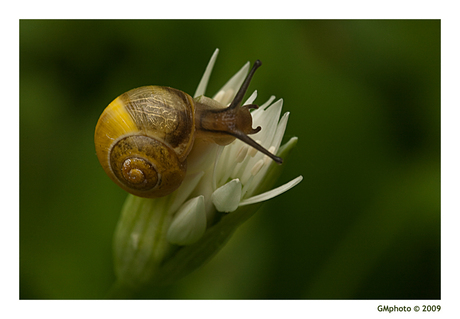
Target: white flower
[(234, 172), (160, 240)]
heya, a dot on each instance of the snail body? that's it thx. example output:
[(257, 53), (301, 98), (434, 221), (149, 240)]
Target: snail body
[(144, 136)]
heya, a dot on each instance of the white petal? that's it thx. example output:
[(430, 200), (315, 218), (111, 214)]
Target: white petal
[(189, 223), (227, 197), (272, 193), (185, 189), (251, 98), (268, 120), (257, 167), (275, 144), (241, 153), (220, 149), (266, 104), (232, 86), (280, 130), (288, 145), (201, 89)]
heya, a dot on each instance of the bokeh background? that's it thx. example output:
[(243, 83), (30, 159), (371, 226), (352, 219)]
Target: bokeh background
[(364, 98)]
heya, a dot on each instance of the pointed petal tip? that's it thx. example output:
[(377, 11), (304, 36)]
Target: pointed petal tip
[(272, 193), (201, 89)]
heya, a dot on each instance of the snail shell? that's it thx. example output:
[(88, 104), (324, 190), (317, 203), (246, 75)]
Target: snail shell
[(143, 138)]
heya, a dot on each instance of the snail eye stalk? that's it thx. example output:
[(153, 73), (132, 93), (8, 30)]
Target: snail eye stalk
[(244, 87)]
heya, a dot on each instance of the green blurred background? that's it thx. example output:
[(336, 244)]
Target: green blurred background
[(364, 98)]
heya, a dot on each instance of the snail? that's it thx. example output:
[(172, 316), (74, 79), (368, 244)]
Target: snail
[(144, 136)]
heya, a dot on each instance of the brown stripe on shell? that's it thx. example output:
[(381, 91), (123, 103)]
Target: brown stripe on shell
[(163, 113)]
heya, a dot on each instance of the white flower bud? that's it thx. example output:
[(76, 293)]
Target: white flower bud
[(189, 223), (227, 197)]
